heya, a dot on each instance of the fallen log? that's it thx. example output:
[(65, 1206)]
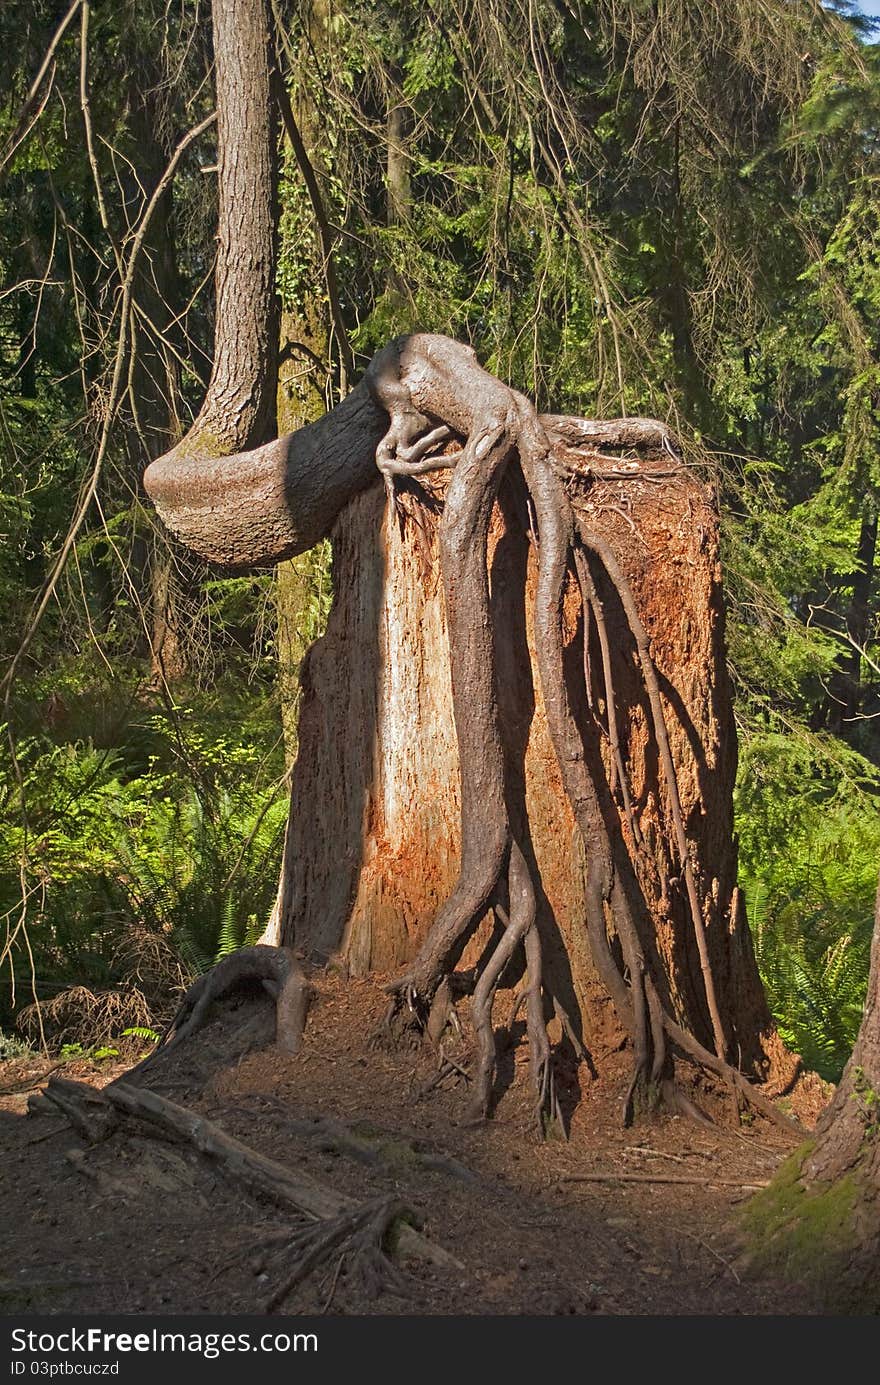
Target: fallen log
[(296, 1191)]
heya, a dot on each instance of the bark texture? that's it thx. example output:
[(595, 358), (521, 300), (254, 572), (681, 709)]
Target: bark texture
[(848, 1132), (239, 407), (819, 1220), (374, 838)]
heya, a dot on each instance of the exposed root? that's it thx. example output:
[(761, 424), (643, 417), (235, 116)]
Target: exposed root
[(447, 1068), (438, 1016), (604, 551), (521, 920), (280, 974), (591, 602), (356, 1240), (547, 1110), (293, 1190)]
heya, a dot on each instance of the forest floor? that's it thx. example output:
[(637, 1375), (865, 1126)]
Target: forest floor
[(140, 1225)]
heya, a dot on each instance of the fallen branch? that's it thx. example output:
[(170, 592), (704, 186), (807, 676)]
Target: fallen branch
[(687, 1180)]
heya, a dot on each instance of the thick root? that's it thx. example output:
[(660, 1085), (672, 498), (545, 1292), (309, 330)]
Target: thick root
[(519, 923), (280, 974)]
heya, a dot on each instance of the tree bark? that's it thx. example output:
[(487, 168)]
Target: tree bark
[(848, 1131), (152, 420), (304, 381), (819, 1220), (374, 835), (239, 408)]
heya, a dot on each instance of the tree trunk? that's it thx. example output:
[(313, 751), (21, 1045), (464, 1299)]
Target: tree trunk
[(152, 421), (397, 164), (848, 1132), (304, 384), (819, 1221), (516, 744), (239, 408), (301, 400), (543, 748), (846, 690)]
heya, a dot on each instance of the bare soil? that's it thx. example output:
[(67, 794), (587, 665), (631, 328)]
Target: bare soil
[(141, 1225)]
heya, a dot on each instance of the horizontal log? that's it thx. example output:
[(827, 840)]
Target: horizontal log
[(296, 1191)]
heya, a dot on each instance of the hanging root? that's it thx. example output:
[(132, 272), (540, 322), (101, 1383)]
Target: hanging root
[(604, 551), (520, 927), (592, 603), (548, 1113), (464, 531), (434, 390), (281, 976)]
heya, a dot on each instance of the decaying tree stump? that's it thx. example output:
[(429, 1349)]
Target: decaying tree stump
[(516, 741)]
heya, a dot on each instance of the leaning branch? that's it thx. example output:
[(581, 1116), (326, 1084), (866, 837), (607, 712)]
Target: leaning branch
[(113, 400), (25, 124)]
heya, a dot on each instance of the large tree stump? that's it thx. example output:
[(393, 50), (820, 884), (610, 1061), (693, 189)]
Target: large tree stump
[(516, 743), (373, 843)]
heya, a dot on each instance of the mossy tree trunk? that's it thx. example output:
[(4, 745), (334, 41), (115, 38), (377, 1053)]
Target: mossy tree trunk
[(819, 1221)]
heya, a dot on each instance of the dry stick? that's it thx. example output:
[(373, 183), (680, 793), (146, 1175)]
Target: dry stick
[(652, 1153), (606, 554), (22, 127), (113, 399), (684, 1179), (85, 106), (720, 1258)]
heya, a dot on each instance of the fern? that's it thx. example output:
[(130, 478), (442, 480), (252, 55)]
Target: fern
[(817, 1001), (231, 933), (810, 850)]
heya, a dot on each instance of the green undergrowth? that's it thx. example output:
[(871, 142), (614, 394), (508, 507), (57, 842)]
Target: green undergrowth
[(140, 842)]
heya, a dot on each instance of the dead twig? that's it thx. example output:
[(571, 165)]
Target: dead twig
[(687, 1180)]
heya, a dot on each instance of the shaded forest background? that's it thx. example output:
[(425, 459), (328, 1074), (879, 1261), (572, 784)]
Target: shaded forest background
[(626, 208)]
